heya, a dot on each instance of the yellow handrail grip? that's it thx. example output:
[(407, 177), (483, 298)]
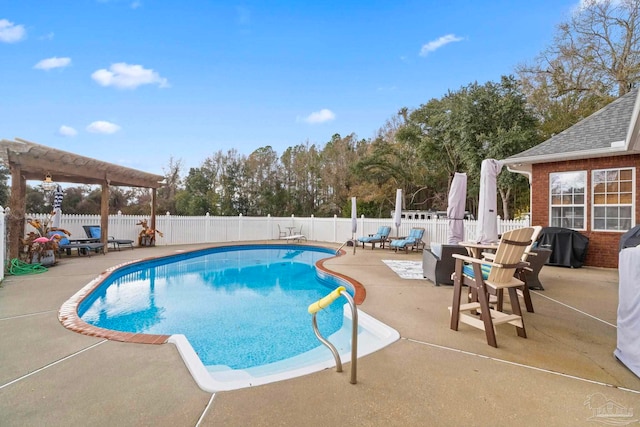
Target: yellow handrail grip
[(326, 301)]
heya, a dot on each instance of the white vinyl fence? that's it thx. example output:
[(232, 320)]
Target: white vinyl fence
[(213, 229)]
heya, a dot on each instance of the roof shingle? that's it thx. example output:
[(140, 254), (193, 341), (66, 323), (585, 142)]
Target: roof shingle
[(605, 126)]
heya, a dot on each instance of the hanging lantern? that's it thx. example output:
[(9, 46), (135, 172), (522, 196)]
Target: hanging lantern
[(48, 184)]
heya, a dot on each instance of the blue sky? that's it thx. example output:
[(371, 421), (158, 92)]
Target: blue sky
[(137, 82)]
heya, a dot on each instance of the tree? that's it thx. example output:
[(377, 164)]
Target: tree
[(72, 198), (455, 133), (167, 193), (497, 124), (336, 157), (4, 186), (433, 130), (263, 184), (594, 57), (117, 199), (90, 204), (198, 197), (301, 166), (36, 200)]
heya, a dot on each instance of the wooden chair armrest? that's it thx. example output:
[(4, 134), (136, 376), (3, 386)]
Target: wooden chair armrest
[(473, 260), (489, 255)]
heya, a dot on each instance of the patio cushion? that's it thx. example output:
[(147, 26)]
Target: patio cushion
[(64, 239), (467, 270), (95, 232), (436, 249)]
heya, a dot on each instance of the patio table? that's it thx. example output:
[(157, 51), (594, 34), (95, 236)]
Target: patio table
[(476, 249)]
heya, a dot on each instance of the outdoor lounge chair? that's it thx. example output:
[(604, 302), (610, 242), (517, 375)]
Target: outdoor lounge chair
[(488, 277), (295, 235), (413, 241), (382, 236), (84, 248), (94, 232)]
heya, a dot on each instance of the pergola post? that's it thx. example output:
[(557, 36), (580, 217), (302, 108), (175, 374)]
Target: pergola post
[(17, 204), (153, 209), (104, 215)]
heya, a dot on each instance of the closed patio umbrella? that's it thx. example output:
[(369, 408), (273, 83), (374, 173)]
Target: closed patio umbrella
[(58, 194), (488, 203), (397, 215), (455, 208)]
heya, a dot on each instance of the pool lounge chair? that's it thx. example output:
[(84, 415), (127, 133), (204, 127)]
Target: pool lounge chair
[(412, 241), (382, 237), (297, 236), (94, 232), (84, 246)]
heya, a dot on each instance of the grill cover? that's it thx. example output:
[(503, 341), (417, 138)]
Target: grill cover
[(568, 247), (631, 238)]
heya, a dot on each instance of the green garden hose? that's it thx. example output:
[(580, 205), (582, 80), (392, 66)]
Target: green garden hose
[(19, 268)]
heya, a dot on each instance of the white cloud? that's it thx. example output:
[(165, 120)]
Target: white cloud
[(125, 76), (67, 131), (55, 62), (103, 127), (10, 32), (438, 43), (321, 116)]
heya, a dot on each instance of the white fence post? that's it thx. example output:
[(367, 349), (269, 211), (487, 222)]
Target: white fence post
[(312, 232), (207, 236), (3, 243), (169, 238)]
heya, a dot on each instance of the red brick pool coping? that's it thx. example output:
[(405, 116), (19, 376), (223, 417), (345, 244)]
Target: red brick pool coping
[(69, 318)]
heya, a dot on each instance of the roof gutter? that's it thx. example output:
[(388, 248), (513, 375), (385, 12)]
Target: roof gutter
[(615, 149), (526, 172)]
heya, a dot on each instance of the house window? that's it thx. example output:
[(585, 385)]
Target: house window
[(613, 196), (568, 199)]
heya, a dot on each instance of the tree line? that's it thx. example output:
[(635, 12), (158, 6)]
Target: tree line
[(594, 58)]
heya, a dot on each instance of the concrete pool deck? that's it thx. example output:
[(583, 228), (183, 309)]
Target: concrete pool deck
[(560, 375)]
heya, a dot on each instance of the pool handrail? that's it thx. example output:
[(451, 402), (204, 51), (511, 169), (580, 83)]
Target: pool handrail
[(325, 302)]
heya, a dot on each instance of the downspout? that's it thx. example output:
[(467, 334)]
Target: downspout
[(529, 176)]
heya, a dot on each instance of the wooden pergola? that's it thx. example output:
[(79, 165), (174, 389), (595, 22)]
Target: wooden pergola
[(30, 161)]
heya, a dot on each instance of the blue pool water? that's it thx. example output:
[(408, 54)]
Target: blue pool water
[(239, 307)]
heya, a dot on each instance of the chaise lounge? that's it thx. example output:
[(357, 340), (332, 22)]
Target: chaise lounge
[(382, 237), (412, 241), (84, 248), (94, 232)]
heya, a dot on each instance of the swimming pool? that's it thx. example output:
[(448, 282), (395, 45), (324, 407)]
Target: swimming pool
[(254, 299)]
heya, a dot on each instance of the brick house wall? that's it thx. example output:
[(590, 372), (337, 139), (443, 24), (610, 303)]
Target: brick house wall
[(603, 246)]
